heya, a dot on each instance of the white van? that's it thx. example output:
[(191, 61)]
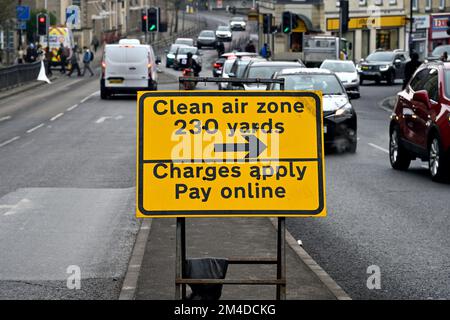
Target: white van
[(128, 67)]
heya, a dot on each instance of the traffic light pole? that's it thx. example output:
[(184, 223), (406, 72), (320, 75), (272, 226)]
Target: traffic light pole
[(340, 31), (411, 24)]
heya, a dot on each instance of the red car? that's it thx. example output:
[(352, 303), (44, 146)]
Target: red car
[(420, 124)]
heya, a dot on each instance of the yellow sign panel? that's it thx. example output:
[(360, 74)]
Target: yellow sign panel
[(229, 154), (366, 22)]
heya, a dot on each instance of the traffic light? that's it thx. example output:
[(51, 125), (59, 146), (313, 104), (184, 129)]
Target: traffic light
[(344, 15), (42, 24), (286, 25), (448, 26), (267, 23), (153, 19), (144, 20)]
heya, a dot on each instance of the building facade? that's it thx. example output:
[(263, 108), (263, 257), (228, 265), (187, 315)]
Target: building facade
[(374, 24)]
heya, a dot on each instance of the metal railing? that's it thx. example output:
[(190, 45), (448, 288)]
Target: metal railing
[(18, 74)]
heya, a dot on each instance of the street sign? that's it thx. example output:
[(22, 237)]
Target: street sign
[(21, 25), (23, 13), (73, 17), (228, 154)]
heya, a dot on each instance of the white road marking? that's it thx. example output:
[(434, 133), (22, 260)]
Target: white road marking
[(57, 116), (35, 128), (386, 109), (15, 208), (5, 118), (378, 147), (72, 107), (101, 120), (89, 96), (9, 141)]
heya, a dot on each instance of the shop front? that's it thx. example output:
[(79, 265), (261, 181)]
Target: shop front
[(420, 35), (368, 33), (438, 31)]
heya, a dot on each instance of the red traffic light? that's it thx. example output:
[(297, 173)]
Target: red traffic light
[(144, 17), (42, 19)]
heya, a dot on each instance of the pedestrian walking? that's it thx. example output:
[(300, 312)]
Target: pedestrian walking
[(31, 55), (95, 43), (74, 61), (20, 55), (62, 57), (411, 67), (250, 47), (265, 51), (88, 56), (47, 56), (220, 48)]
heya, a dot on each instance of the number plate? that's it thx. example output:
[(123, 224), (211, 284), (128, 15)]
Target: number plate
[(115, 81), (184, 61)]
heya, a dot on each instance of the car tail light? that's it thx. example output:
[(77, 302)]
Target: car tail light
[(217, 66), (103, 68)]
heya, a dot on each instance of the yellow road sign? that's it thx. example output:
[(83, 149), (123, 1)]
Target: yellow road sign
[(229, 154)]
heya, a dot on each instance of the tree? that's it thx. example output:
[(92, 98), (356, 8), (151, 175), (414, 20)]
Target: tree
[(7, 11)]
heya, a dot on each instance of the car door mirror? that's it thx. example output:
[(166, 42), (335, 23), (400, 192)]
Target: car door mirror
[(422, 97)]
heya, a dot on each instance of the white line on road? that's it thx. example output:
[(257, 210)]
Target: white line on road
[(378, 147), (72, 107), (5, 118), (57, 116), (101, 119), (35, 128), (89, 96), (9, 141)]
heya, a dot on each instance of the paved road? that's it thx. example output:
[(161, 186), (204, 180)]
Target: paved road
[(377, 216)]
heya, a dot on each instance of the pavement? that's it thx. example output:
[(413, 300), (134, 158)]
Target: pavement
[(230, 237)]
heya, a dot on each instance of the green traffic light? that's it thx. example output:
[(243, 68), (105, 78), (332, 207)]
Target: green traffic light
[(152, 27), (286, 30)]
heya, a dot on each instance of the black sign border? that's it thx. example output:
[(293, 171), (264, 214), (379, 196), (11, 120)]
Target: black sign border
[(230, 213)]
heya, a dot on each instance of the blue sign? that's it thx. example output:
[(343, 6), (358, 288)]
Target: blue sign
[(21, 25), (73, 17), (23, 12)]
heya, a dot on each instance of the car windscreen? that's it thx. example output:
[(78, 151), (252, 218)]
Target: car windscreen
[(188, 42), (327, 83), (380, 56), (186, 50), (207, 34), (338, 67), (266, 72), (223, 28), (447, 83), (438, 51), (237, 19), (227, 66)]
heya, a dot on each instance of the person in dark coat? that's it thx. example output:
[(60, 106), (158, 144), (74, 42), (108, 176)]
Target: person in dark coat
[(75, 61), (250, 47), (411, 67)]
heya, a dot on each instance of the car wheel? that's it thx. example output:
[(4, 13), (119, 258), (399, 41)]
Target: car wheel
[(399, 157), (438, 162), (353, 144), (199, 46), (361, 81)]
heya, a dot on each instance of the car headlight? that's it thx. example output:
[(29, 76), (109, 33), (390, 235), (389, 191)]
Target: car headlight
[(170, 56), (344, 111), (384, 68)]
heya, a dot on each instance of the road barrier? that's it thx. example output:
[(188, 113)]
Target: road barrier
[(18, 74)]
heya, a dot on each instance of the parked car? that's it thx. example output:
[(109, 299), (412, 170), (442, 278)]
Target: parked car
[(186, 41), (383, 65), (265, 70), (420, 123), (437, 52), (238, 24), (171, 54), (206, 38), (238, 68), (347, 73), (182, 56), (340, 121), (223, 33), (128, 68)]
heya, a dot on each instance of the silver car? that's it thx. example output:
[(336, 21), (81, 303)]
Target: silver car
[(206, 38), (346, 72)]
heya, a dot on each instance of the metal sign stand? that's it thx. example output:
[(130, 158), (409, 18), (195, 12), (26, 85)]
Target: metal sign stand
[(280, 260)]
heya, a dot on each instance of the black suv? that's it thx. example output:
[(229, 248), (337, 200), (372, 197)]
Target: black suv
[(383, 65)]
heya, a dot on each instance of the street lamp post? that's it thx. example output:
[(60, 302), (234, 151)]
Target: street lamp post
[(411, 25)]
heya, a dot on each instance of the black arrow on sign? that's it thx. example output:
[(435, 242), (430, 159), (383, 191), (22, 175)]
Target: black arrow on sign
[(254, 147)]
